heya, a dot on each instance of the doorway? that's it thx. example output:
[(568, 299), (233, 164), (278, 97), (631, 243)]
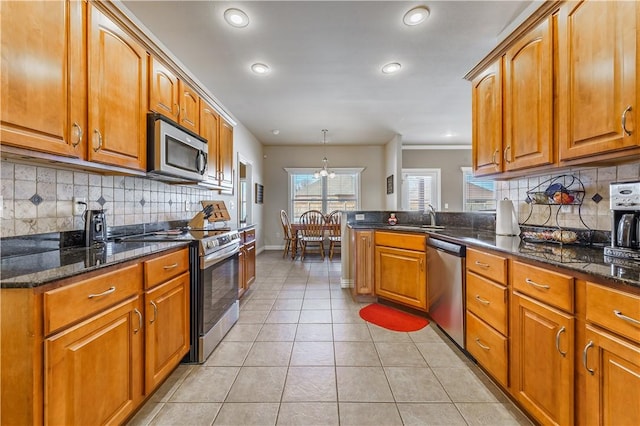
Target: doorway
[(245, 189)]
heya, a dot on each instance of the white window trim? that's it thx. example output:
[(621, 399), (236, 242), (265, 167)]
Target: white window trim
[(422, 172)]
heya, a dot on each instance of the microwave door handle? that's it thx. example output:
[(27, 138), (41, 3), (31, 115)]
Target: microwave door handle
[(201, 162)]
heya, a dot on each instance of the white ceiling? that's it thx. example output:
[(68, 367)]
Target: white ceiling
[(325, 59)]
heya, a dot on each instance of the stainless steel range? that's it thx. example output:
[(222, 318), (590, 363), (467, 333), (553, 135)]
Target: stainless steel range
[(214, 267)]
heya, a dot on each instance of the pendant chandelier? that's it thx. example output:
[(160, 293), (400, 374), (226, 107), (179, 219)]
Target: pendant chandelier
[(325, 163)]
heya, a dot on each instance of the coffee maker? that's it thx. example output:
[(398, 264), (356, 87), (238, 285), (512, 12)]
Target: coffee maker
[(625, 226), (95, 227)]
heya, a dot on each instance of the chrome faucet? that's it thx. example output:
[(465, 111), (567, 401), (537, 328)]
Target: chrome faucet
[(432, 214)]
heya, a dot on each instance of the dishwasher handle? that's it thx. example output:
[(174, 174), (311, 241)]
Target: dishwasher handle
[(451, 248)]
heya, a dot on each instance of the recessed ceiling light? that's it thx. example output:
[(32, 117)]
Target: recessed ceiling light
[(416, 16), (259, 68), (236, 18), (275, 132), (391, 68)]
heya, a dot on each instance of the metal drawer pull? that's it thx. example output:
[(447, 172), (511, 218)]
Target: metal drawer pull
[(482, 265), (77, 126), (170, 266), (155, 312), (535, 284), (584, 357), (136, 311), (481, 300), (104, 293), (626, 318), (624, 121), (562, 330), (485, 347)]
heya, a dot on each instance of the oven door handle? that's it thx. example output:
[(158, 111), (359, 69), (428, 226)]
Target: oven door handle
[(219, 256)]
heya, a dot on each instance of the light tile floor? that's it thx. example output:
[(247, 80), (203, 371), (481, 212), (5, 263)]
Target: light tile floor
[(301, 355)]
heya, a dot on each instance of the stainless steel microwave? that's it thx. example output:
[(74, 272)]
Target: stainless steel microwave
[(173, 152)]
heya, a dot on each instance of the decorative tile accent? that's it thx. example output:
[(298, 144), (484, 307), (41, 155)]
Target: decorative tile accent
[(170, 202), (142, 202), (101, 201), (597, 198), (35, 199)]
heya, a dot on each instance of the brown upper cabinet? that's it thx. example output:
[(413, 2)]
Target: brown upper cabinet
[(528, 96), (487, 120), (44, 114), (225, 161), (210, 130), (560, 91), (171, 97), (597, 77), (117, 94)]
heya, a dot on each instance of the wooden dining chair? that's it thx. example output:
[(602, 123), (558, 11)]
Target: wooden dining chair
[(335, 233), (289, 239), (312, 234)]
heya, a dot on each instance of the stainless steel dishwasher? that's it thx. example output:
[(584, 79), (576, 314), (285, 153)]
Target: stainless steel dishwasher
[(446, 287)]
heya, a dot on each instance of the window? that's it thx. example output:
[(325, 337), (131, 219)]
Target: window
[(477, 194), (420, 187), (323, 193)]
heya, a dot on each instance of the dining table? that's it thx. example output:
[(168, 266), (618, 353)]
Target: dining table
[(296, 227)]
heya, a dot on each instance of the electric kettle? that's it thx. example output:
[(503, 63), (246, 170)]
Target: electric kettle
[(95, 227), (627, 231)]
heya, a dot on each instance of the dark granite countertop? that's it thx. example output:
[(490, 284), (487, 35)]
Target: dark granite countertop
[(39, 267), (586, 260)]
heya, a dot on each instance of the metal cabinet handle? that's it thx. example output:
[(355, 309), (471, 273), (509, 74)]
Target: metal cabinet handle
[(584, 357), (482, 265), (485, 347), (506, 156), (80, 134), (481, 300), (624, 121), (535, 284), (167, 267), (625, 318), (562, 330), (136, 311), (178, 108), (104, 293), (96, 131), (155, 312), (421, 265), (493, 157)]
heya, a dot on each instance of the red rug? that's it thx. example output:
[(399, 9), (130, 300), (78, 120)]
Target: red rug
[(392, 319)]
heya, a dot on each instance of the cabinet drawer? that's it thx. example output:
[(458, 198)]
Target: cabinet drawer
[(488, 347), (74, 302), (248, 235), (488, 301), (487, 265), (614, 310), (405, 241), (165, 267), (549, 287)]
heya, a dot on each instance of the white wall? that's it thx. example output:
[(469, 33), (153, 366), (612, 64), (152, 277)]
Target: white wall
[(393, 166), (276, 184)]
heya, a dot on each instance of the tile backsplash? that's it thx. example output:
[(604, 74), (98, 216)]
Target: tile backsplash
[(38, 199), (594, 211)]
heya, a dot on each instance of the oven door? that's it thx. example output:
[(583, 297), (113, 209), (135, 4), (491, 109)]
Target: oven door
[(219, 279)]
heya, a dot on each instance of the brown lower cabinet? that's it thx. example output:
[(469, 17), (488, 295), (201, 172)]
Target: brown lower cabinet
[(82, 348), (247, 263)]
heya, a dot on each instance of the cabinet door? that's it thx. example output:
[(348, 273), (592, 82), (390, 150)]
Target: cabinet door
[(164, 94), (189, 116), (117, 94), (528, 93), (597, 77), (250, 263), (401, 276), (363, 259), (242, 260), (44, 76), (486, 141), (167, 329), (225, 164), (612, 379), (209, 129), (542, 360), (94, 371)]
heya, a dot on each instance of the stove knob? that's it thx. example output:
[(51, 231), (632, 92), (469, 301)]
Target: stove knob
[(209, 244)]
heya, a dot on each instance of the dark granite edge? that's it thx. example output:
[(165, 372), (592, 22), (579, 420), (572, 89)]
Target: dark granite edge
[(41, 278)]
